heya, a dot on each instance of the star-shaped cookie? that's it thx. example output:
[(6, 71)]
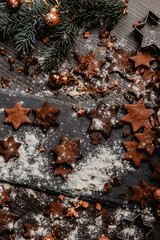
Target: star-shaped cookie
[(133, 154), (140, 84), (104, 118), (17, 115), (89, 66), (143, 193), (56, 209), (61, 170), (146, 140), (120, 62), (33, 230), (156, 171), (138, 115), (142, 58), (46, 117), (6, 217), (9, 148), (4, 196), (68, 152)]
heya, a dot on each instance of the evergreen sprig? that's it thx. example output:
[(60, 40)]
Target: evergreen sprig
[(27, 25), (62, 43)]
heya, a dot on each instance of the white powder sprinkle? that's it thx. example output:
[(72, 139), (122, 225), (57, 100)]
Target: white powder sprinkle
[(94, 171), (29, 163), (98, 124)]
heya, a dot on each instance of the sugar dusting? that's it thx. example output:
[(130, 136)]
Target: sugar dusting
[(29, 163), (89, 174), (96, 169)]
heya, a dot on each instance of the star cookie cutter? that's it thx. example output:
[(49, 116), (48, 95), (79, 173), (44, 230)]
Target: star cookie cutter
[(155, 20), (137, 219)]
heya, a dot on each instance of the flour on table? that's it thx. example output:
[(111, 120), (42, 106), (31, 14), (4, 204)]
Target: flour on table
[(96, 169), (30, 162)]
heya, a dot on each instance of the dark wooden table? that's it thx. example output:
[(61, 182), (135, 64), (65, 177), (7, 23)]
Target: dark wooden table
[(138, 10)]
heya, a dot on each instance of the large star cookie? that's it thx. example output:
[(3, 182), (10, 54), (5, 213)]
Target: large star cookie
[(89, 66), (143, 193), (104, 118), (17, 115), (133, 154), (67, 154), (120, 62), (138, 115), (142, 58), (46, 117), (9, 148)]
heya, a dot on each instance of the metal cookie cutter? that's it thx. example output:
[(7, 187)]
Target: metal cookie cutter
[(128, 228), (151, 39)]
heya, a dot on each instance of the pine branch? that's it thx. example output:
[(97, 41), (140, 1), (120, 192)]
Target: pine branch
[(24, 24), (91, 13), (31, 20), (28, 23), (26, 40), (8, 23), (62, 44), (82, 14)]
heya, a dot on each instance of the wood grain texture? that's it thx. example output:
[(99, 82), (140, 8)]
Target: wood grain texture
[(72, 128), (123, 30), (138, 9)]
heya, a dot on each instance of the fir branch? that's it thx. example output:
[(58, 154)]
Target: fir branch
[(2, 5), (98, 11), (8, 23), (62, 43), (25, 36), (26, 40), (90, 13), (86, 13), (28, 24), (24, 24)]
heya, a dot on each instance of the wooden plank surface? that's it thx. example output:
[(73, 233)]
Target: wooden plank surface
[(138, 10), (71, 127)]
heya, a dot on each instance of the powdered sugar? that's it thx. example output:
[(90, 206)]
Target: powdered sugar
[(29, 163), (95, 170), (98, 124), (132, 233)]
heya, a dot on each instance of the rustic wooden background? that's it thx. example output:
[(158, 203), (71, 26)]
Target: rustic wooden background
[(138, 10)]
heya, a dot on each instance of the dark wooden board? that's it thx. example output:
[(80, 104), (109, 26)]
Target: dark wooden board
[(138, 10), (72, 128), (29, 204)]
